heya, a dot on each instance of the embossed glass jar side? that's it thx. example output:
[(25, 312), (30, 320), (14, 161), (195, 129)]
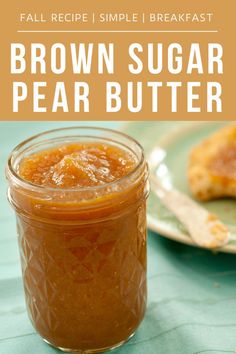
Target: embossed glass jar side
[(83, 252)]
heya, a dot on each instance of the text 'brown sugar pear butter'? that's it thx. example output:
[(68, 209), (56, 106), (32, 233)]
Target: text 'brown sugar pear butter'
[(80, 200)]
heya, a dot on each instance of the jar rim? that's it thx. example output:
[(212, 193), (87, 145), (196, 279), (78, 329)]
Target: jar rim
[(12, 173)]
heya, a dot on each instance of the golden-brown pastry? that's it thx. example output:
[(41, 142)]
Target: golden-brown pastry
[(212, 165)]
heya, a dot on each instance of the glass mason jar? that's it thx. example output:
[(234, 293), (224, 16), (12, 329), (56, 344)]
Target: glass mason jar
[(83, 250)]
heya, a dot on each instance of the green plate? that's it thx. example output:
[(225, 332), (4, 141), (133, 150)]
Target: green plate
[(176, 139)]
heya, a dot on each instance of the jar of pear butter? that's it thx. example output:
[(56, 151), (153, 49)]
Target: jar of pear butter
[(80, 200)]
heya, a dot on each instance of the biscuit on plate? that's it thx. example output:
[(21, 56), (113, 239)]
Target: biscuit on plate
[(212, 165)]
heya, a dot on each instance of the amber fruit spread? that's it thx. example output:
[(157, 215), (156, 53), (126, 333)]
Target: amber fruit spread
[(77, 165), (83, 258), (224, 163)]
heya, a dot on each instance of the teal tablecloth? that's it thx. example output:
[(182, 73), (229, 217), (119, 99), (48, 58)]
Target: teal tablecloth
[(192, 293)]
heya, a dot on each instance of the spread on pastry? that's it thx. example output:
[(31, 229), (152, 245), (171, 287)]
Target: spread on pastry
[(212, 165)]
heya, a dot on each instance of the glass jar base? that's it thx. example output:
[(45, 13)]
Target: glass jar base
[(90, 351)]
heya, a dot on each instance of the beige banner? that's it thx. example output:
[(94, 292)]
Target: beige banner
[(205, 92)]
